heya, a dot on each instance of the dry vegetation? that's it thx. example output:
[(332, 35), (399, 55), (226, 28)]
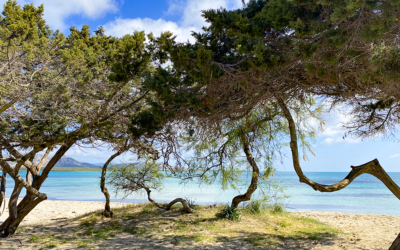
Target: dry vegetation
[(147, 227)]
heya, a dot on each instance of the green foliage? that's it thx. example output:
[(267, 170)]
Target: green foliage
[(80, 87), (143, 175), (58, 91), (335, 49), (231, 213), (256, 207), (35, 238), (278, 209), (192, 203)]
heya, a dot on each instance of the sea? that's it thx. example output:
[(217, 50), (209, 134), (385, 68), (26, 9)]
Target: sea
[(365, 194)]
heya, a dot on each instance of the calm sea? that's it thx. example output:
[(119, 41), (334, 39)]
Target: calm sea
[(364, 195)]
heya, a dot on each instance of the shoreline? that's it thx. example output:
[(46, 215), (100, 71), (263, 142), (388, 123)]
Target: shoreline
[(359, 231), (74, 208), (125, 202)]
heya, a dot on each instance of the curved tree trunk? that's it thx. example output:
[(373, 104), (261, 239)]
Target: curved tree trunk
[(33, 197), (184, 204), (10, 225), (254, 178), (148, 191), (12, 203), (3, 192), (107, 209), (28, 179), (373, 168), (396, 244)]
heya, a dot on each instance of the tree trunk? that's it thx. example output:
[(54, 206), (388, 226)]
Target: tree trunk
[(33, 197), (107, 209), (12, 207), (184, 204), (28, 179), (373, 168), (148, 191), (3, 192), (254, 178), (10, 225), (396, 244), (12, 203)]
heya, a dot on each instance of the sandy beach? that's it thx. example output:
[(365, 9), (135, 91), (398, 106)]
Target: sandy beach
[(49, 211), (359, 231)]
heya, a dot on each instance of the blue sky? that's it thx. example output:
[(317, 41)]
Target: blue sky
[(181, 17)]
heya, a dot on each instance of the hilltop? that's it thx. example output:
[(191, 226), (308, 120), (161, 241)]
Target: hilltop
[(67, 163)]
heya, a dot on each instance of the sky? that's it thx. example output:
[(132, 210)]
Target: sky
[(120, 17)]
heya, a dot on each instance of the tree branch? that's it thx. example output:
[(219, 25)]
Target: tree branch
[(372, 167), (8, 105), (184, 204)]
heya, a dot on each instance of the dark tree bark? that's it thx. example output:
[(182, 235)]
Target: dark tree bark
[(12, 204), (396, 244), (373, 168), (10, 226), (254, 178), (28, 179), (184, 202), (148, 191), (33, 198), (3, 192), (107, 209)]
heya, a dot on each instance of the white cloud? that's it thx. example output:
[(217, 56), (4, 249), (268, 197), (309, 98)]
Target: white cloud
[(121, 27), (175, 7), (395, 156), (191, 19), (333, 129), (333, 140), (192, 13), (57, 11), (96, 155)]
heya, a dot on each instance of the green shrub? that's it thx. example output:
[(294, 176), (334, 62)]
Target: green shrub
[(192, 203), (278, 209), (231, 213), (256, 207)]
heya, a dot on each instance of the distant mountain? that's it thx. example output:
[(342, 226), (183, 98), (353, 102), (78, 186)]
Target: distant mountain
[(99, 164), (65, 161), (72, 163)]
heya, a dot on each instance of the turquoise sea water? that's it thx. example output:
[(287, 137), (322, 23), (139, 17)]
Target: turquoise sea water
[(364, 195)]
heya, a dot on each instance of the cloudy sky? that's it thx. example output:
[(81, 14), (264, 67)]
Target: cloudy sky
[(119, 17)]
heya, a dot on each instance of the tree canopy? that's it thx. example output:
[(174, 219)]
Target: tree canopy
[(275, 59), (286, 53), (59, 91)]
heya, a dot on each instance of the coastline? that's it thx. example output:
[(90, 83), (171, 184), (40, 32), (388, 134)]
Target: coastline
[(359, 231), (70, 169)]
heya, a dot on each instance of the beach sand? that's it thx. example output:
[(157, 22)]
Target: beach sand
[(360, 231), (49, 211)]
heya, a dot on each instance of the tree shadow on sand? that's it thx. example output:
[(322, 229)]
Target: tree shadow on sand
[(147, 227)]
